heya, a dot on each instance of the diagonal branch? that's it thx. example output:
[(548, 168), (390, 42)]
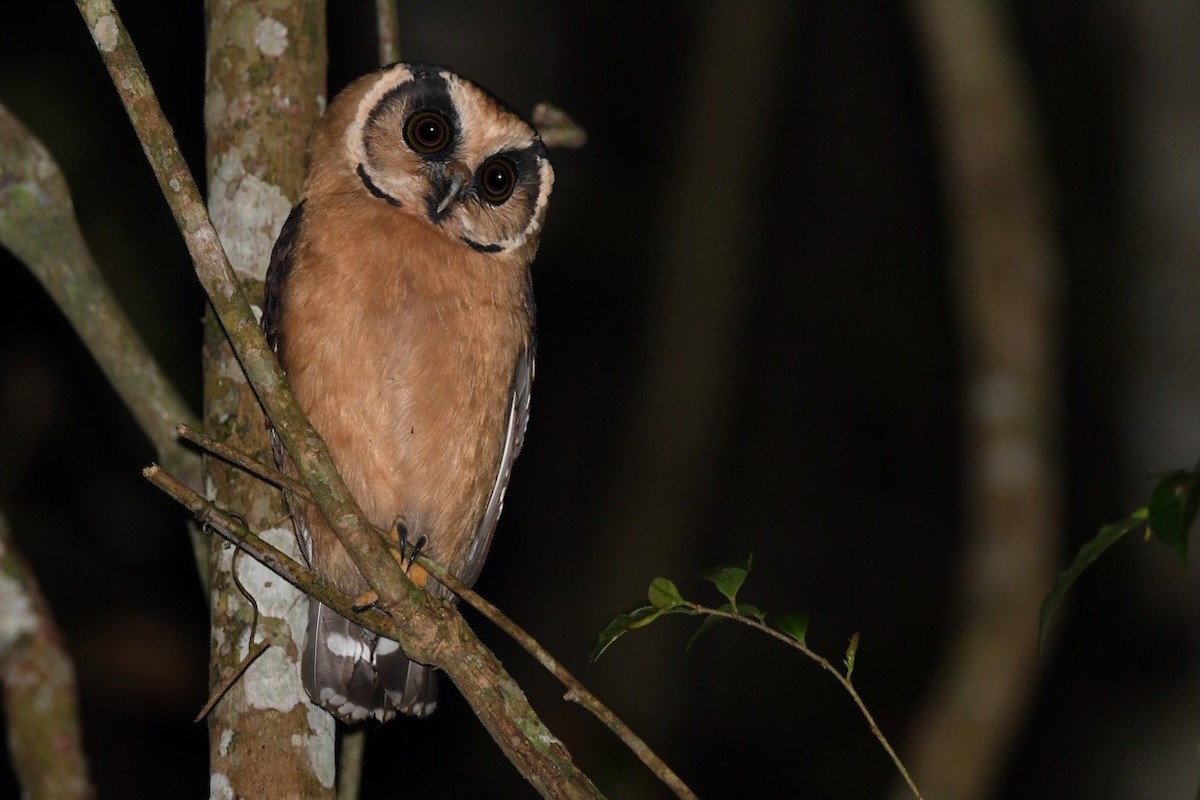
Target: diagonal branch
[(428, 630), (576, 691)]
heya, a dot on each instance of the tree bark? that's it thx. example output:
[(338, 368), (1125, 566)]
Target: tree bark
[(266, 89)]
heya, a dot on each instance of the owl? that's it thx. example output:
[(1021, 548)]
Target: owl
[(399, 303)]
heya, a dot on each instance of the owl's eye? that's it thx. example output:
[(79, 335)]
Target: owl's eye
[(427, 132), (498, 179)]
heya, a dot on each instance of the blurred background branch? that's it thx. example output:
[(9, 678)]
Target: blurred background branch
[(38, 225), (41, 710), (1006, 275)]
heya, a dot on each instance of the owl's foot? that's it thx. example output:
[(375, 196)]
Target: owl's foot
[(364, 601), (409, 551)]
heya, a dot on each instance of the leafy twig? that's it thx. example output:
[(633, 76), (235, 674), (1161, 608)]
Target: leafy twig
[(664, 599)]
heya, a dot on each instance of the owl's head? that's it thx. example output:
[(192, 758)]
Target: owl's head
[(435, 145)]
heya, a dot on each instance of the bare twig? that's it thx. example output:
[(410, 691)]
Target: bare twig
[(824, 664), (576, 691), (230, 679), (39, 688), (221, 284), (556, 127), (240, 459)]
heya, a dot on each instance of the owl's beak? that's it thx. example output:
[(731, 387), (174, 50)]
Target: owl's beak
[(449, 182)]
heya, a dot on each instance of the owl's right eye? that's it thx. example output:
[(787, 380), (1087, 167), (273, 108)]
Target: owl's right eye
[(427, 132)]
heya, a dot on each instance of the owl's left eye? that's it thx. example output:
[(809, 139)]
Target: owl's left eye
[(498, 179), (427, 132)]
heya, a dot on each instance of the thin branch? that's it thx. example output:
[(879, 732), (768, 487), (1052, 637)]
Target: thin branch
[(388, 20), (230, 679), (245, 462), (42, 713), (557, 128), (826, 665), (484, 681), (576, 691)]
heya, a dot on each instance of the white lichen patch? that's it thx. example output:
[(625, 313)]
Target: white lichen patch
[(272, 681), (106, 34), (224, 742), (276, 597), (271, 37), (16, 612), (319, 744), (219, 787), (248, 213)]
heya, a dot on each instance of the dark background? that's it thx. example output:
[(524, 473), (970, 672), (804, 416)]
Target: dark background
[(835, 456)]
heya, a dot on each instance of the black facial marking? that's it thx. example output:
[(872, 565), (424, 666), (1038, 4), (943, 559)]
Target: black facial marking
[(373, 189), (482, 248), (425, 92)]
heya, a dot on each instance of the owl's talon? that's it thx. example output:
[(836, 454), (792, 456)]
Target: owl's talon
[(416, 551)]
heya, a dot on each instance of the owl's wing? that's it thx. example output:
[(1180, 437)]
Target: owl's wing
[(518, 419), (282, 258)]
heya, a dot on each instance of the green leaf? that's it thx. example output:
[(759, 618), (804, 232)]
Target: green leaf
[(794, 625), (729, 578), (1172, 510), (630, 621), (747, 610), (709, 621), (1089, 552), (851, 654), (663, 594)]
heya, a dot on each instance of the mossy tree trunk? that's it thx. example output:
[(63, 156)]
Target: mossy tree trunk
[(265, 89)]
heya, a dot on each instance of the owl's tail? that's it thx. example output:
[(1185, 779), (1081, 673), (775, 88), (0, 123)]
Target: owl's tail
[(355, 675)]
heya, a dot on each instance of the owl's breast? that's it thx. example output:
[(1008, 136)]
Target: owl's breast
[(404, 363)]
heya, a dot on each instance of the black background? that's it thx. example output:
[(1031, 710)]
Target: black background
[(836, 459)]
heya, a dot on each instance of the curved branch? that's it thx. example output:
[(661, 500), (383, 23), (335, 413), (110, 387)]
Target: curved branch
[(37, 223)]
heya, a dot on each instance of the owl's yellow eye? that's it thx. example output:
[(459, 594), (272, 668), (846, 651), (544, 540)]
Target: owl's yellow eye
[(427, 132), (498, 179)]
